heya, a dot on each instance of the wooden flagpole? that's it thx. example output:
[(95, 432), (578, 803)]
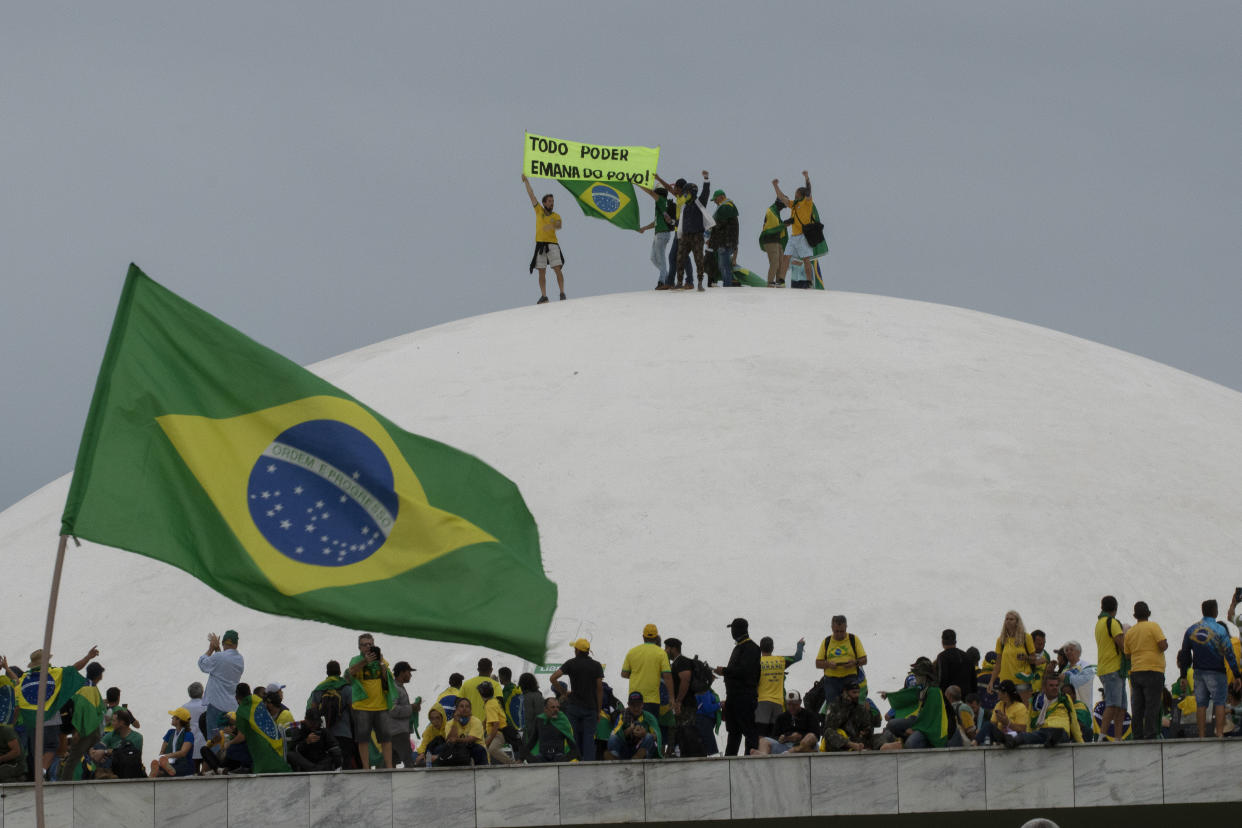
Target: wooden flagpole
[(44, 670)]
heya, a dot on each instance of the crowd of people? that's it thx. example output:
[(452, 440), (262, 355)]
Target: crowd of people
[(361, 715), (690, 238)]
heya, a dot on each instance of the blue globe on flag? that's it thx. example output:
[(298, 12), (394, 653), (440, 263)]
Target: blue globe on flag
[(322, 494), (605, 198)]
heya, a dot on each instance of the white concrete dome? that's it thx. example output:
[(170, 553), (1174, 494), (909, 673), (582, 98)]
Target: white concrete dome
[(778, 455)]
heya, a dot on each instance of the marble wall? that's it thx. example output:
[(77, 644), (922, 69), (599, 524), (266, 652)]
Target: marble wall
[(1151, 773)]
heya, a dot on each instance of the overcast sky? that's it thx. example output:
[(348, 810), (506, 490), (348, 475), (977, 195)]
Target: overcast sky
[(327, 175)]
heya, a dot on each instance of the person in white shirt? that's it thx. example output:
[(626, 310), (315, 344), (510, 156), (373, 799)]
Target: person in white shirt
[(223, 665)]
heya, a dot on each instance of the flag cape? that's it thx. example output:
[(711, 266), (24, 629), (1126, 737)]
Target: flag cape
[(329, 683), (210, 452), (62, 683), (749, 277), (611, 201), (263, 738), (932, 722), (8, 701)]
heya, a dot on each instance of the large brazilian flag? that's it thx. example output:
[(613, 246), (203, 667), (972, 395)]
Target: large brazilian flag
[(208, 451), (612, 201)]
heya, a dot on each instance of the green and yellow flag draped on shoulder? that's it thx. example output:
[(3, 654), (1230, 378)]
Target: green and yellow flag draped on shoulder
[(208, 451), (263, 737)]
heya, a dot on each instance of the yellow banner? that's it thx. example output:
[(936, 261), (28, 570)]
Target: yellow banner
[(545, 157)]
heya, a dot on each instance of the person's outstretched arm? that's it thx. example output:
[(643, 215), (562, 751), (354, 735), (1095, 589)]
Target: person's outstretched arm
[(784, 199), (806, 178), (534, 202)]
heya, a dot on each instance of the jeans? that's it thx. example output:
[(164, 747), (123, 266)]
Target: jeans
[(1115, 689), (213, 721), (914, 739), (660, 257), (1049, 736), (724, 257), (1145, 692), (620, 747), (834, 686), (706, 726), (582, 720)]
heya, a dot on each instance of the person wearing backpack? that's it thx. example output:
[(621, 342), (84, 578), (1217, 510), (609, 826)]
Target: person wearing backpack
[(121, 753), (1110, 642), (839, 657)]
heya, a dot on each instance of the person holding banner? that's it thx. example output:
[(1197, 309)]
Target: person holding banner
[(664, 222), (547, 250), (802, 208)]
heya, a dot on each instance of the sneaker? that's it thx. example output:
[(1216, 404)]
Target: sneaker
[(562, 297), (663, 286), (780, 282), (701, 288), (542, 300)]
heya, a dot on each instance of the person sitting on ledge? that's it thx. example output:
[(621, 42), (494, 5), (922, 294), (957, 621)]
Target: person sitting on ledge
[(850, 722), (550, 737), (1055, 722), (797, 730), (463, 738), (177, 752), (635, 732)]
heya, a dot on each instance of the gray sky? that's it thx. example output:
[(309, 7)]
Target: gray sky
[(327, 175)]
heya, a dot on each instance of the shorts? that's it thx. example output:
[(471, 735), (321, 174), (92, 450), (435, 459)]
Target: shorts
[(767, 712), (367, 720), (552, 258), (1114, 690), (798, 247), (1210, 686), (777, 747)]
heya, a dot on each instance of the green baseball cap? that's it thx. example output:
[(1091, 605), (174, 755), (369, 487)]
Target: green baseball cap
[(229, 635)]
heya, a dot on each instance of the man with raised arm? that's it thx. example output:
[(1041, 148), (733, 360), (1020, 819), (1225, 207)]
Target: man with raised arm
[(802, 208), (547, 249)]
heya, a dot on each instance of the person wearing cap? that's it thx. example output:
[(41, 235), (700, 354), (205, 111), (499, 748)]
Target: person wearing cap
[(274, 694), (741, 681), (839, 657), (772, 694), (724, 236), (646, 666), (692, 224), (796, 730), (680, 196), (223, 665), (635, 732), (851, 721), (399, 717), (177, 750), (62, 684), (663, 223), (586, 696)]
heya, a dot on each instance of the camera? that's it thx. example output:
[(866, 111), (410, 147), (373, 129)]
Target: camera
[(376, 651), (1237, 595)]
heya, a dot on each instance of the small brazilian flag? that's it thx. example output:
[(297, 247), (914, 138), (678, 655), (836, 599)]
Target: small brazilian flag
[(206, 450), (611, 201)]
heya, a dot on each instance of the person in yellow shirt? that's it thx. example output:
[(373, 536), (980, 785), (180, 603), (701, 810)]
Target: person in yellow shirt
[(839, 657), (647, 667), (1015, 653), (1010, 714), (433, 737), (494, 722), (1110, 641), (463, 738), (1145, 644), (772, 683), (1055, 722), (547, 248)]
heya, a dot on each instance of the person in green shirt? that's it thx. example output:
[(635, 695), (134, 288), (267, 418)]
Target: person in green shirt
[(664, 223), (88, 718), (104, 755), (724, 235), (12, 758), (63, 683)]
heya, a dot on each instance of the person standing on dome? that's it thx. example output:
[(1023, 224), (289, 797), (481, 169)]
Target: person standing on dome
[(741, 679), (664, 223), (1015, 653), (547, 249), (647, 667), (802, 208), (692, 224), (839, 657), (223, 665)]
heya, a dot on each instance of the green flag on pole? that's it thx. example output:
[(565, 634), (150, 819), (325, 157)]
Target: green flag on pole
[(210, 452), (611, 201)]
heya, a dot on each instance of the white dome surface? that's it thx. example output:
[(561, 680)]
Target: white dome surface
[(776, 455)]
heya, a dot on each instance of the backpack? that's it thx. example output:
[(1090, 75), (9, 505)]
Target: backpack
[(701, 675), (331, 706), (815, 698), (127, 761)]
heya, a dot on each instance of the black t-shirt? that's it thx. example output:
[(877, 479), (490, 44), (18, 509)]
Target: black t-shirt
[(954, 668), (804, 722), (680, 665), (583, 672)]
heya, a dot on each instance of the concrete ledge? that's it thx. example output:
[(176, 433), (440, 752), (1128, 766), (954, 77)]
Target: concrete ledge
[(690, 790)]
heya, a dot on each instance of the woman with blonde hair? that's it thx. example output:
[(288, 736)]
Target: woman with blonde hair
[(1015, 656)]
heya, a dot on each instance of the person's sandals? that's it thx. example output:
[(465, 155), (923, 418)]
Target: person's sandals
[(542, 300)]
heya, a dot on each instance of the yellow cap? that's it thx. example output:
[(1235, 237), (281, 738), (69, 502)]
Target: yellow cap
[(582, 645), (181, 713), (650, 631)]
